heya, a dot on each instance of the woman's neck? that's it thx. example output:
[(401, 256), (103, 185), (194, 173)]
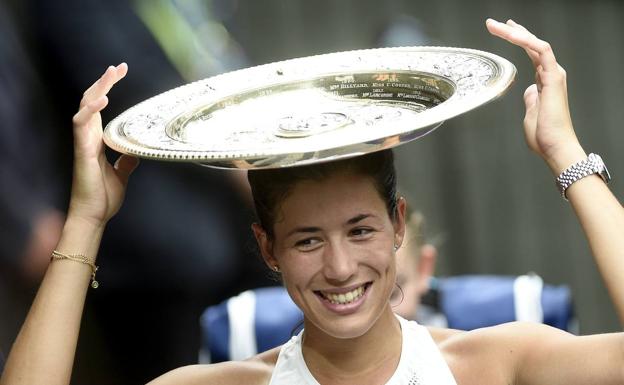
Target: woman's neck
[(373, 356)]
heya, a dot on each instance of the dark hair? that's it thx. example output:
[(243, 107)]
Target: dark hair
[(270, 187)]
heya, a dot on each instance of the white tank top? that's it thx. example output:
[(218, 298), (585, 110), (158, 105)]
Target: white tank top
[(421, 362)]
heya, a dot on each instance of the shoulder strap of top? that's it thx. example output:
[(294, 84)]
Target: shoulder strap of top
[(421, 361), (290, 367)]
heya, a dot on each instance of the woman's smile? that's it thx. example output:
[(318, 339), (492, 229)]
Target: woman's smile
[(345, 300)]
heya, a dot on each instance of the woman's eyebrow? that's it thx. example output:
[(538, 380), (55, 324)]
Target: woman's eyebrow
[(313, 229), (308, 229), (358, 218)]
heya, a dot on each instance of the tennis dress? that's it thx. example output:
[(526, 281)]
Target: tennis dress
[(421, 362)]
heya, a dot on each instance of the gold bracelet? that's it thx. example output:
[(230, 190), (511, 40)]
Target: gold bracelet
[(78, 258)]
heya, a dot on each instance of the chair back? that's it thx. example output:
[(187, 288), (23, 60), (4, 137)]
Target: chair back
[(251, 322), (475, 301)]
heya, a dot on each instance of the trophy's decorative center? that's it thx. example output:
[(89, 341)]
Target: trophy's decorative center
[(298, 126)]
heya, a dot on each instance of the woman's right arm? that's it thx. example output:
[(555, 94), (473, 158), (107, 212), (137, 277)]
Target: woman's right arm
[(43, 352)]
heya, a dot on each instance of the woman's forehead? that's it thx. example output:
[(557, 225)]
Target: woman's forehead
[(340, 195)]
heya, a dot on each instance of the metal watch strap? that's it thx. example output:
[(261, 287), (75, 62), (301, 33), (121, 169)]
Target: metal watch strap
[(592, 165)]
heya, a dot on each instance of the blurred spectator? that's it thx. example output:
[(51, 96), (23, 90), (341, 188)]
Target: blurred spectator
[(403, 31), (416, 260), (26, 199), (182, 240), (30, 222)]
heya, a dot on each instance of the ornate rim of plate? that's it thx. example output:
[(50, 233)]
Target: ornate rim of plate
[(311, 109)]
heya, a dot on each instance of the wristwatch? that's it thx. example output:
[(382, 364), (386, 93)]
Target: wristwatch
[(592, 165)]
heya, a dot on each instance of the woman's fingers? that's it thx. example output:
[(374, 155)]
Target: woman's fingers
[(549, 75), (124, 166), (534, 56), (530, 96), (94, 99), (103, 85), (521, 37), (531, 103), (86, 112), (87, 121), (547, 121)]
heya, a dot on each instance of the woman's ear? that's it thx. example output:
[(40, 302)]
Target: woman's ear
[(399, 222), (265, 245)]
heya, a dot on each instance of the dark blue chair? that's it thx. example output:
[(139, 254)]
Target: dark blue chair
[(260, 319), (475, 301), (251, 322)]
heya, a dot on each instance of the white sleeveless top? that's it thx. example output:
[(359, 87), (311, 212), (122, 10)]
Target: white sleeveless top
[(421, 362)]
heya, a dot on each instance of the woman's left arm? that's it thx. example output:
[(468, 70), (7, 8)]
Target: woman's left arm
[(549, 133)]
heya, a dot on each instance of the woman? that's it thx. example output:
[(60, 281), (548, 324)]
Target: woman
[(332, 235)]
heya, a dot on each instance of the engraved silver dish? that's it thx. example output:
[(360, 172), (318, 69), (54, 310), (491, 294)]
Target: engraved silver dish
[(311, 109)]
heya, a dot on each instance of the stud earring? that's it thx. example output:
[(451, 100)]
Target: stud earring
[(276, 268), (396, 247)]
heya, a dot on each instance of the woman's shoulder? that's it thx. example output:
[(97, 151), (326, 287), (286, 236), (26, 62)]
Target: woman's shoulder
[(500, 334), (254, 371), (517, 335), (489, 353)]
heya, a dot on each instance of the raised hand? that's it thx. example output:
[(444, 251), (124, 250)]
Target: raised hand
[(547, 124), (98, 187)]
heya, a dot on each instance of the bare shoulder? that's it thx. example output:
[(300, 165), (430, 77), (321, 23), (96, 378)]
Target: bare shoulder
[(508, 339), (491, 355), (494, 334), (531, 353), (268, 357), (254, 371), (518, 335), (440, 335)]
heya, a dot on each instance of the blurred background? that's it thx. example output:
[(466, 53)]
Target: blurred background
[(182, 240)]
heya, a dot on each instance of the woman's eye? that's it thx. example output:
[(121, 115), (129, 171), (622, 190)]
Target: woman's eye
[(308, 243), (361, 232)]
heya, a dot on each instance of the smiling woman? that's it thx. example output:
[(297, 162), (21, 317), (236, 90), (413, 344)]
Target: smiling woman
[(333, 230), (333, 234)]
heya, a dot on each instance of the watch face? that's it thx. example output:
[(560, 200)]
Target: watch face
[(605, 174), (601, 167)]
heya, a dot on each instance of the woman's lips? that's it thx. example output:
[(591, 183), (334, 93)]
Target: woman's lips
[(344, 300)]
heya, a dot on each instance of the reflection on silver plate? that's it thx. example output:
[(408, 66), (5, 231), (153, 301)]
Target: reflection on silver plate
[(311, 109)]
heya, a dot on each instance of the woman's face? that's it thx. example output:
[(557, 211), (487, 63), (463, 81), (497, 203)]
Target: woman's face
[(334, 244)]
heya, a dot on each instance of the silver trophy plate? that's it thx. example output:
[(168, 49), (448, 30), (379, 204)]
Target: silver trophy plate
[(311, 109)]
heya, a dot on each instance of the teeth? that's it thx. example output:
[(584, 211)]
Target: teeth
[(344, 298)]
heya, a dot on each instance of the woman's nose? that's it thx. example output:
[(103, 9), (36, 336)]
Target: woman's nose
[(338, 262)]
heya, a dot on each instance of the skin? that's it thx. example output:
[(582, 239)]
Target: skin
[(345, 349)]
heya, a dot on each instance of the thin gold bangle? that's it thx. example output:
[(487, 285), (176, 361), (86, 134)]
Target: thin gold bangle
[(78, 258)]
